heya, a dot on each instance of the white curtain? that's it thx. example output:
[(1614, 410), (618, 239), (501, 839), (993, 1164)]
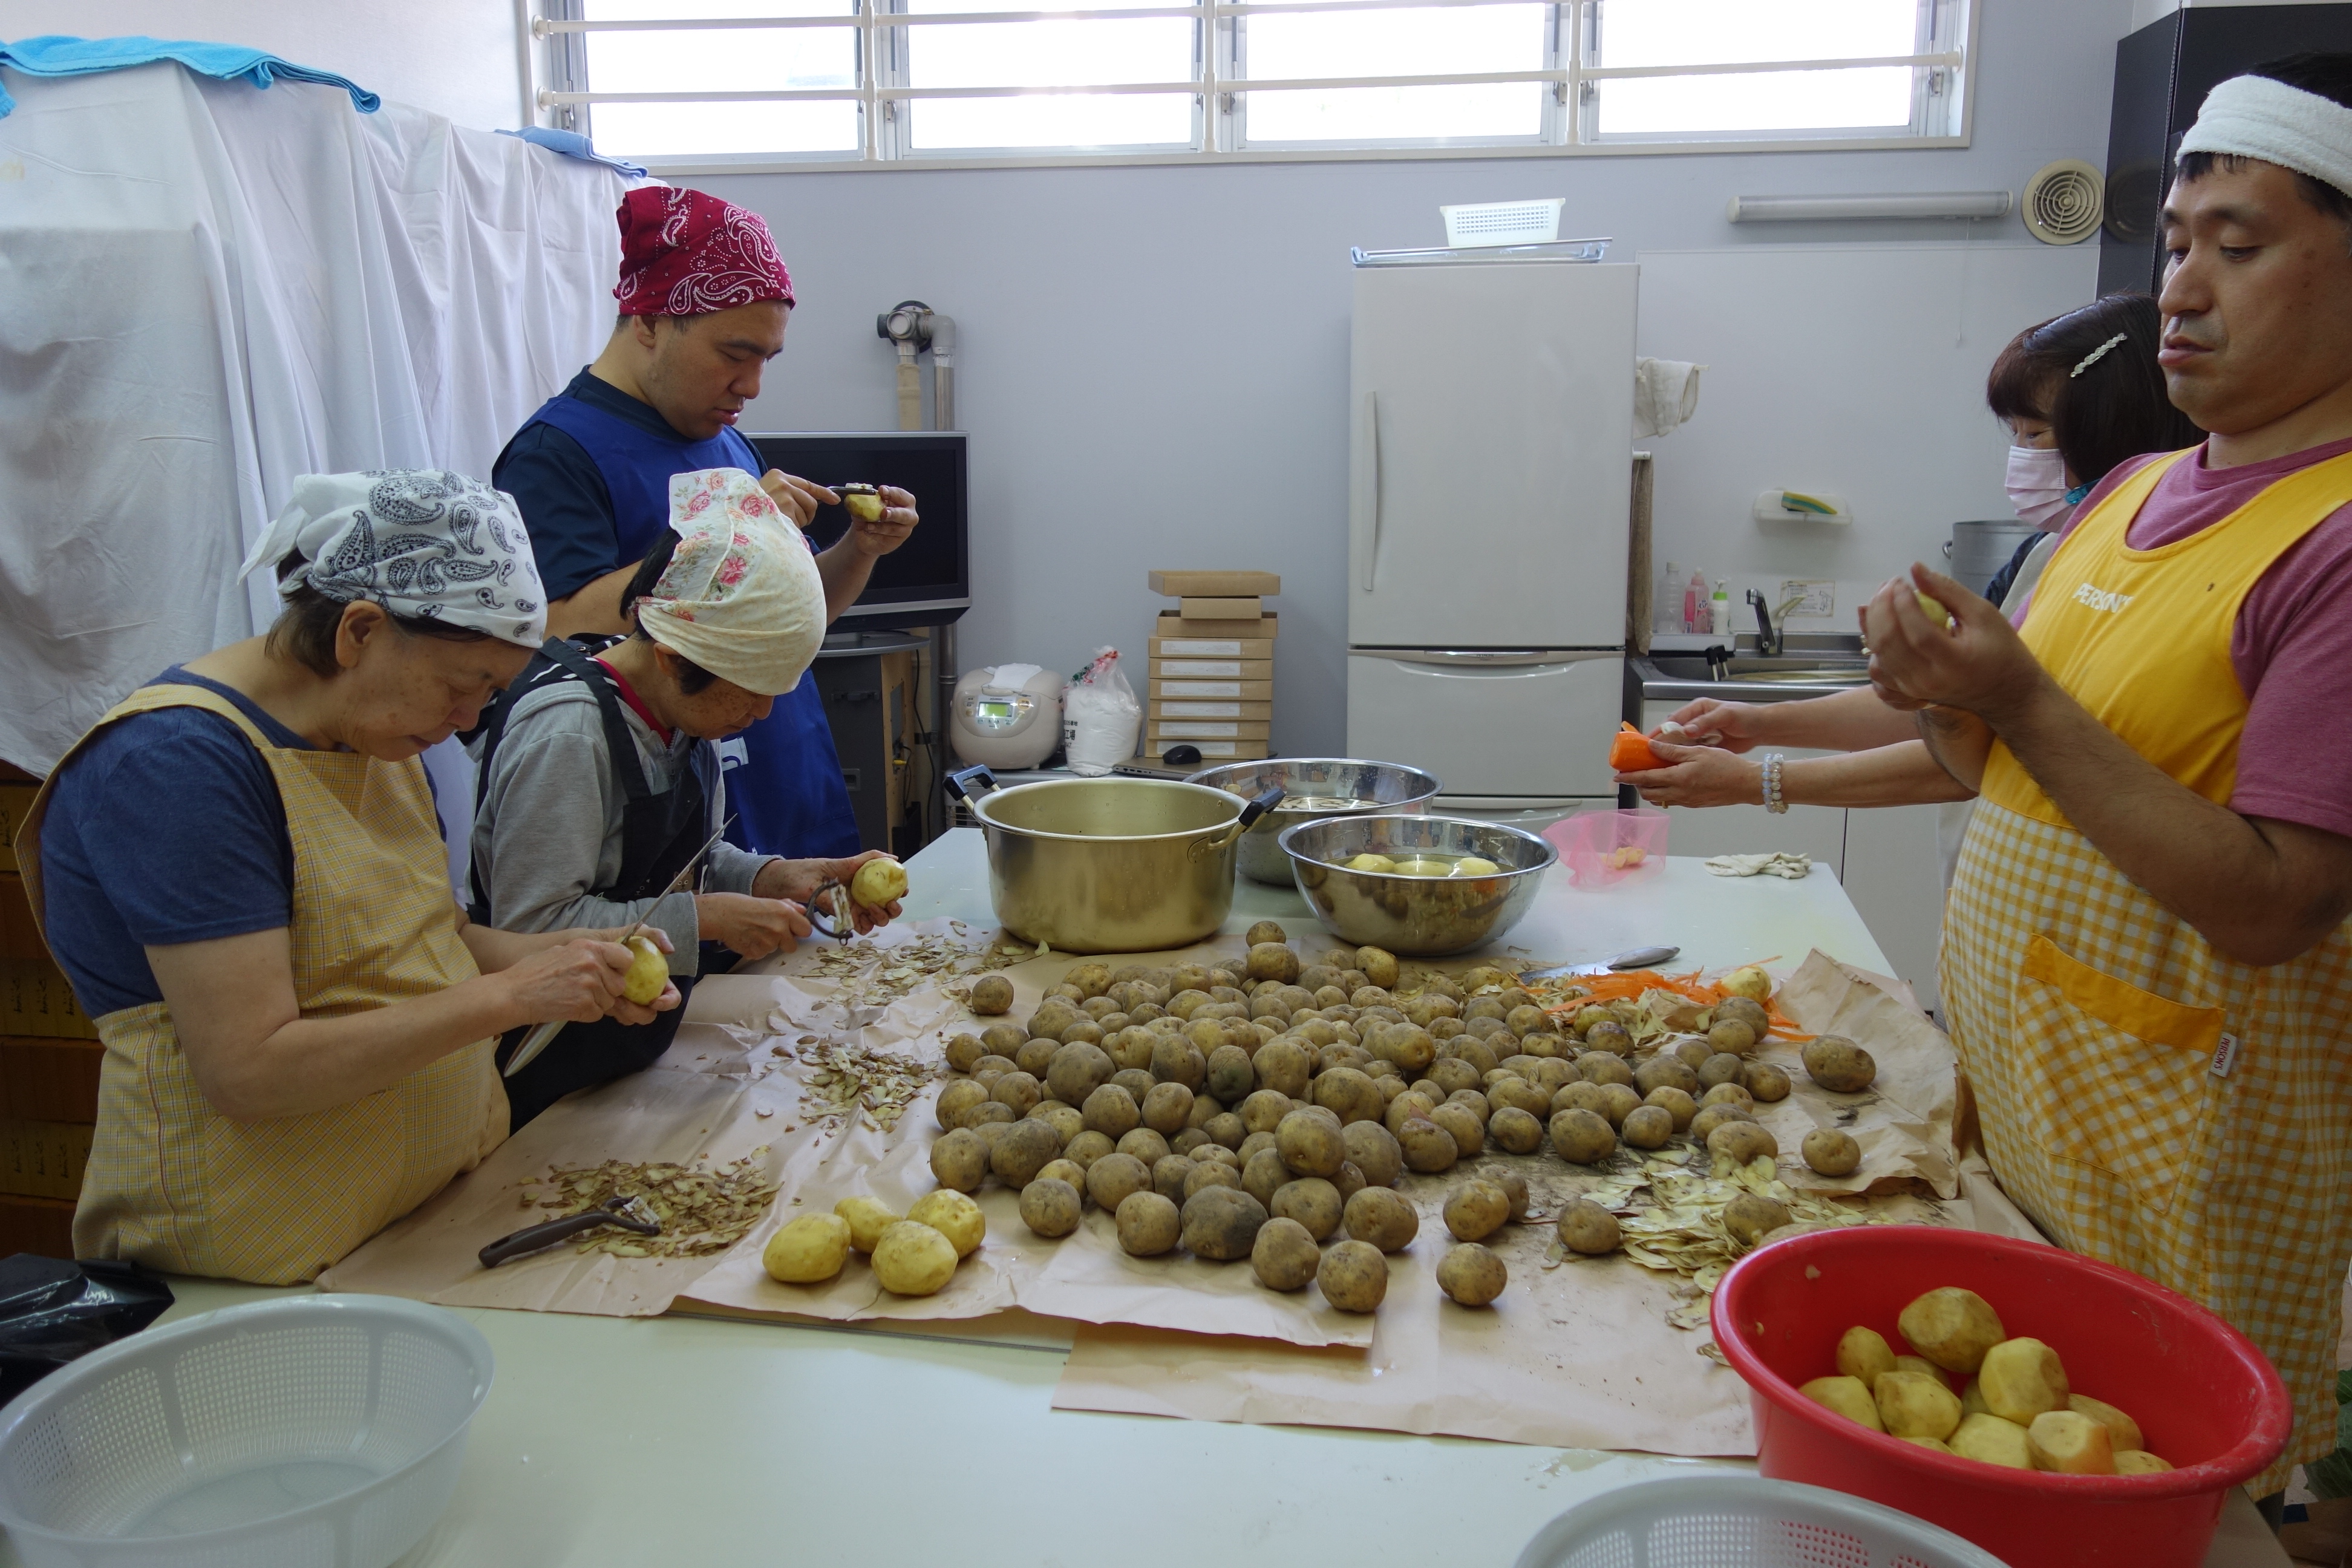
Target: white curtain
[(208, 288)]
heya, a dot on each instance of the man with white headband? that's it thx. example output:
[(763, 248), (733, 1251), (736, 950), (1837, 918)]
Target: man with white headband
[(597, 775), (2147, 964), (241, 871)]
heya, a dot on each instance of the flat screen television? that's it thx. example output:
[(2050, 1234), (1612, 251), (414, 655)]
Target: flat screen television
[(925, 582)]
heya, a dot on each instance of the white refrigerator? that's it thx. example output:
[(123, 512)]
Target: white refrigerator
[(1489, 482)]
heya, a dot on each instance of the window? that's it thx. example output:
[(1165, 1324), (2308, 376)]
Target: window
[(708, 84)]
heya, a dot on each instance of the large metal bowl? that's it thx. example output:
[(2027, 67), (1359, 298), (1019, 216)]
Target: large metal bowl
[(1314, 788), (1422, 917), (1109, 865)]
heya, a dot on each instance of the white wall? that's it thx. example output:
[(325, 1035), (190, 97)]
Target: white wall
[(1154, 360), (456, 58)]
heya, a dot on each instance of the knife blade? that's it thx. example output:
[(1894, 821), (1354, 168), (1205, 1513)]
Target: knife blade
[(1636, 958), (543, 1035)]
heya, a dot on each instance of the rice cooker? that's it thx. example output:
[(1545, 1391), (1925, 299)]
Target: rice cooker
[(1008, 716)]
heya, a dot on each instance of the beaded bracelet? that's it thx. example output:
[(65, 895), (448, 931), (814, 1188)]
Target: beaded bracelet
[(1775, 800)]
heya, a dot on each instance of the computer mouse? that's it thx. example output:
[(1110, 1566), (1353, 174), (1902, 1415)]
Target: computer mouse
[(1180, 756)]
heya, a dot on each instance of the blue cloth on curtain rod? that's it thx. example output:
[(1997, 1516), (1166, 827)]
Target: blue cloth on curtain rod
[(55, 54), (572, 144)]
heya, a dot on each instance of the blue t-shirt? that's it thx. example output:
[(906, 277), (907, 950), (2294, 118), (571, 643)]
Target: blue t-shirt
[(166, 828)]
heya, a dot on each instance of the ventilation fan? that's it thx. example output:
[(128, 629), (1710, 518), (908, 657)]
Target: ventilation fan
[(2064, 202)]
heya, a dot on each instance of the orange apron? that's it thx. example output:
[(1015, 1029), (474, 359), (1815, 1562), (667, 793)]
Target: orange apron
[(2146, 1100), (175, 1184)]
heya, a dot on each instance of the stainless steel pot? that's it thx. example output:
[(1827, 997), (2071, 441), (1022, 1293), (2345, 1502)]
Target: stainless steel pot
[(1420, 917), (1109, 865), (1314, 788)]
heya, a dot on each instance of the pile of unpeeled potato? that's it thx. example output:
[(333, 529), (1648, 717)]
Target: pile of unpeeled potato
[(2016, 1408)]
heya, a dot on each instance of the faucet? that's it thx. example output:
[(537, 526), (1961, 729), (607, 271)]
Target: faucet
[(1769, 636)]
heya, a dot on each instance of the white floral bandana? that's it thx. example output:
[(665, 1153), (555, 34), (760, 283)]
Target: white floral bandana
[(419, 541), (742, 597)]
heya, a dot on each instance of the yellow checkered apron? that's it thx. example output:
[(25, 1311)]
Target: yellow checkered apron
[(174, 1183), (2146, 1100)]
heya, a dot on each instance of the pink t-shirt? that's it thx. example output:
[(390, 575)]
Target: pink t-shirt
[(2293, 643)]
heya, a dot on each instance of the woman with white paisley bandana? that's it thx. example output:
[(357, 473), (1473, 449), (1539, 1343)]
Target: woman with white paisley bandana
[(241, 869)]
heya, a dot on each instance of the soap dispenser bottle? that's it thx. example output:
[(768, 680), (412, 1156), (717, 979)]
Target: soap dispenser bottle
[(1719, 609)]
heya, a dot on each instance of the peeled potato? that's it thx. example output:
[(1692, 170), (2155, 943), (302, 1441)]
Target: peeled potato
[(1992, 1441), (878, 882), (1933, 608), (867, 1219), (1913, 1405), (863, 502), (913, 1259), (1847, 1397), (2123, 1432), (1952, 1327), (1475, 866), (2139, 1462), (1371, 863), (1936, 1444), (2020, 1378), (1863, 1353), (953, 1215), (1750, 982), (648, 971), (2070, 1444), (813, 1248)]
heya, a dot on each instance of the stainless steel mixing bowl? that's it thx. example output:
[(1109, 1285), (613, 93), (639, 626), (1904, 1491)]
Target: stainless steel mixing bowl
[(1108, 865), (1422, 917), (1314, 788)]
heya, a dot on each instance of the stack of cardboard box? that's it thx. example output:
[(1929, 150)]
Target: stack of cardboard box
[(1212, 666), (50, 1057)]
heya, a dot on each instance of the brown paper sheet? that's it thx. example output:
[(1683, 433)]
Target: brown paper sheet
[(1578, 1354), (1904, 1121)]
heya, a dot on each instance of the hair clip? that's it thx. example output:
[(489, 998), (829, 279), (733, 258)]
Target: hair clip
[(2093, 356)]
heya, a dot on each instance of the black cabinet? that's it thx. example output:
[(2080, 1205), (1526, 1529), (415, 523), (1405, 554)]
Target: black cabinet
[(2162, 74)]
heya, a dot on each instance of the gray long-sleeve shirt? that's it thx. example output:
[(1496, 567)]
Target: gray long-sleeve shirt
[(547, 829)]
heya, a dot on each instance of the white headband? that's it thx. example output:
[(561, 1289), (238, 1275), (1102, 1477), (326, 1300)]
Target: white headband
[(741, 595), (2254, 116), (419, 541)]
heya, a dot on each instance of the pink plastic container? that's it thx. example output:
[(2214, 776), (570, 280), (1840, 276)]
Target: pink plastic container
[(2204, 1396), (1602, 847)]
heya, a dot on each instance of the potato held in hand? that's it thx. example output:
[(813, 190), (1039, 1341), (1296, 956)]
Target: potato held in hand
[(863, 502), (648, 972), (878, 882)]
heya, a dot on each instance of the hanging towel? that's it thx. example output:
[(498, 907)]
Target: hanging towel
[(54, 54), (1666, 392), (572, 144)]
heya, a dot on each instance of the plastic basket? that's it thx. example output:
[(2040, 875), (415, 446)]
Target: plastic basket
[(1743, 1521), (1504, 223), (2215, 1408), (1601, 848), (309, 1432)]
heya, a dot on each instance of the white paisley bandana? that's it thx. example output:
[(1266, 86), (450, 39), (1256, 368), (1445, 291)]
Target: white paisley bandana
[(741, 598), (422, 542)]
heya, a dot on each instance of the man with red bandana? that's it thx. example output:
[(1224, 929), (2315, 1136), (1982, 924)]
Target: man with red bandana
[(703, 302)]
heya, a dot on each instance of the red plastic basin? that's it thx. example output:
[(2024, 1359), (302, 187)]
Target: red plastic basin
[(2204, 1396)]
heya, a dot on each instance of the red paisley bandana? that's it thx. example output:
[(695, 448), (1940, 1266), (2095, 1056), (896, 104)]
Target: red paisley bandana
[(686, 254)]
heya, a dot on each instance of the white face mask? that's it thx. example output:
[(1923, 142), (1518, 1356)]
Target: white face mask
[(2036, 483)]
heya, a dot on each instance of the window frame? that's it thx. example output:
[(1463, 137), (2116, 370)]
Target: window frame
[(1943, 91)]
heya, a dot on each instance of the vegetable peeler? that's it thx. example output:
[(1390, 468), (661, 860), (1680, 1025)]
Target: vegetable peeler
[(629, 1213)]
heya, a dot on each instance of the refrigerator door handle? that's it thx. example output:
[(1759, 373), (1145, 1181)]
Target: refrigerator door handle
[(1490, 657), (1368, 483)]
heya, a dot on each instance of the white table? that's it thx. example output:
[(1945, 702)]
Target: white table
[(611, 1442)]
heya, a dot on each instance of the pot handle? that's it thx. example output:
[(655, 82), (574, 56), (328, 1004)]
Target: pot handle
[(1232, 831), (962, 785), (1259, 807)]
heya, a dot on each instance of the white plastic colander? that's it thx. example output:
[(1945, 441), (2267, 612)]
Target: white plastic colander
[(1743, 1521), (309, 1432)]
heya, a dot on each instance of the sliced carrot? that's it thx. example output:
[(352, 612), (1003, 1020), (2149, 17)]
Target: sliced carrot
[(1629, 751)]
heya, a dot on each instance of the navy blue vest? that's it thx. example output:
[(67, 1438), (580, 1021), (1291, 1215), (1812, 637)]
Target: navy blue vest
[(788, 797)]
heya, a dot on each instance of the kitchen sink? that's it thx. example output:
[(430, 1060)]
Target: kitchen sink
[(1811, 665)]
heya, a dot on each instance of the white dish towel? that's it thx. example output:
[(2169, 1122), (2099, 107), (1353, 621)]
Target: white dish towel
[(1665, 393)]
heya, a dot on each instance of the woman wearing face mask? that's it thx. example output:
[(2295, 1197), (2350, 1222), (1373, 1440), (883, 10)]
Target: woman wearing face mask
[(2080, 393)]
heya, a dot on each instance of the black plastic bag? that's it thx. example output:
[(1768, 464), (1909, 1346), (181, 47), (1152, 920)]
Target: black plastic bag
[(52, 1311)]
